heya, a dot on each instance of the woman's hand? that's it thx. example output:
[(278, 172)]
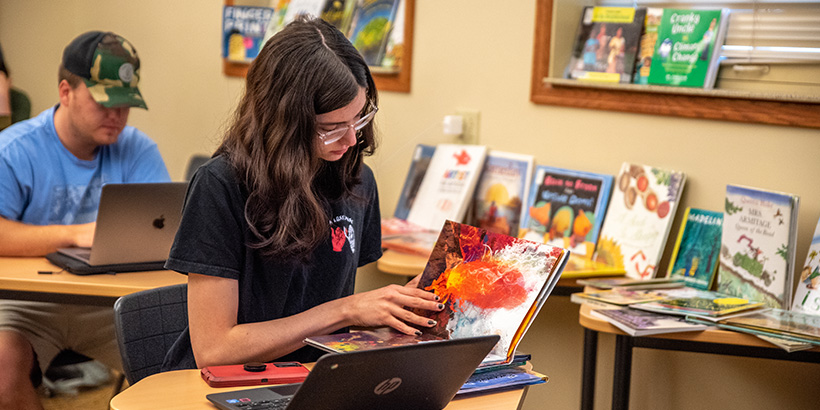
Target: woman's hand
[(386, 307)]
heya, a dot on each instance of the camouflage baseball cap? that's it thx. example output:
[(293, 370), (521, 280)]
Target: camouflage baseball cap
[(109, 65)]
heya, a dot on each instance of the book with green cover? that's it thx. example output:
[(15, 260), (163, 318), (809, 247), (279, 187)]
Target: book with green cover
[(695, 255), (687, 50), (699, 303)]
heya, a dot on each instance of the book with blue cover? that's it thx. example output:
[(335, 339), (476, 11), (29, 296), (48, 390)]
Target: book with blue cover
[(695, 255), (566, 208), (370, 30), (243, 31), (501, 192)]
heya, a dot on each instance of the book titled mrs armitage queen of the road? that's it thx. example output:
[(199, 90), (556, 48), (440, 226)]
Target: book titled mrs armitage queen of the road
[(489, 283)]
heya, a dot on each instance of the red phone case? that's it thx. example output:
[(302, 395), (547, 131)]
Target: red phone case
[(236, 375)]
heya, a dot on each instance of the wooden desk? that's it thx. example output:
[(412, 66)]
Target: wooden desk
[(714, 341), (19, 279), (185, 390)]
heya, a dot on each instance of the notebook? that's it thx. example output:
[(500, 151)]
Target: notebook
[(136, 224), (417, 376)]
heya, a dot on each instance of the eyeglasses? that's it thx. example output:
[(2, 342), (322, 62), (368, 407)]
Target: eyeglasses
[(334, 135)]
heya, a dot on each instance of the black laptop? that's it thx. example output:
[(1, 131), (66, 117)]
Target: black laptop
[(419, 377)]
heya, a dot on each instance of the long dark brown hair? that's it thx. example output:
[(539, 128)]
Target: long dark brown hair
[(308, 68)]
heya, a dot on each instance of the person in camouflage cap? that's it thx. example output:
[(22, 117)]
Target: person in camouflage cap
[(52, 169), (109, 66)]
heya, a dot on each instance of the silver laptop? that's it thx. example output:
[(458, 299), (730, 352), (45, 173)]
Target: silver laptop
[(423, 376), (136, 223)]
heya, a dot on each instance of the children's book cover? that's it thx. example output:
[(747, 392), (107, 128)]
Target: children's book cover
[(639, 218), (699, 303), (489, 283), (637, 322), (646, 48), (339, 13), (243, 30), (807, 295), (501, 191), (371, 27), (448, 185), (757, 246), (566, 208), (687, 50), (606, 44), (695, 255), (415, 174)]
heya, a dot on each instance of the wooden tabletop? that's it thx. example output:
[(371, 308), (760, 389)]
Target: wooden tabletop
[(185, 390), (710, 335), (20, 278)]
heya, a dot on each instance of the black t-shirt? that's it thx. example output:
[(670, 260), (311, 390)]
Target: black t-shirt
[(212, 240)]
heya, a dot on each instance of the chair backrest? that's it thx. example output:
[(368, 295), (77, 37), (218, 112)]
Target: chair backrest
[(147, 323), (194, 163)]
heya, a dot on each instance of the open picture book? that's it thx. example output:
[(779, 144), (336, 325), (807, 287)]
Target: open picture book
[(489, 283)]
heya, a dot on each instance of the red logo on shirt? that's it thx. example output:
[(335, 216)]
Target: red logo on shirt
[(337, 236)]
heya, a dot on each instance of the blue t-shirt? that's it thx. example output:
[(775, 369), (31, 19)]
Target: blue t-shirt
[(42, 183)]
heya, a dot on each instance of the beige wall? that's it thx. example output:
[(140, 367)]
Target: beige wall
[(470, 55)]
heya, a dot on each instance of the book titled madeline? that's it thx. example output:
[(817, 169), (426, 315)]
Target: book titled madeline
[(489, 283), (757, 245), (243, 31), (566, 208), (695, 255)]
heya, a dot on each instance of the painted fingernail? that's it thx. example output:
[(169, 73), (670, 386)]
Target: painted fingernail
[(440, 306), (431, 322), (438, 298), (418, 332)]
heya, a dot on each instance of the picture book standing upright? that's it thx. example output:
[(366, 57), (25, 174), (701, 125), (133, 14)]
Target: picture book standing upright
[(415, 174), (695, 255), (566, 208), (687, 51), (606, 44), (243, 30), (757, 246), (639, 218), (448, 185), (501, 191), (807, 295), (370, 31), (646, 48)]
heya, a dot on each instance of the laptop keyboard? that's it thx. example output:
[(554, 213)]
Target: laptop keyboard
[(277, 404)]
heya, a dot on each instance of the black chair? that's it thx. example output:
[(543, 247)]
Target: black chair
[(194, 163), (147, 323)]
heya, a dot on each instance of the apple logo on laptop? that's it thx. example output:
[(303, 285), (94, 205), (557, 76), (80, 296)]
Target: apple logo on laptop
[(159, 223), (387, 386)]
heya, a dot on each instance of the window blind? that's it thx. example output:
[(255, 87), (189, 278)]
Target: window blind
[(760, 32)]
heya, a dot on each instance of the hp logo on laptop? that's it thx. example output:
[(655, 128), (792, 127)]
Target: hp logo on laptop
[(387, 386)]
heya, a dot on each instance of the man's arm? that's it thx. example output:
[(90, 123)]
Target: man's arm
[(19, 239)]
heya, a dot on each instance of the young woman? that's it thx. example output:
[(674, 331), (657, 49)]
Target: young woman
[(276, 224)]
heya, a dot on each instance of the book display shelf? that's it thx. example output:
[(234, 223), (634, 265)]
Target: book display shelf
[(715, 104), (398, 80)]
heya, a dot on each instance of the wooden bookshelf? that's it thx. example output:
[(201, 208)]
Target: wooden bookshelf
[(386, 80), (671, 101)]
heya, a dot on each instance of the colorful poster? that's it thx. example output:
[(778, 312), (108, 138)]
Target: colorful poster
[(243, 30)]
